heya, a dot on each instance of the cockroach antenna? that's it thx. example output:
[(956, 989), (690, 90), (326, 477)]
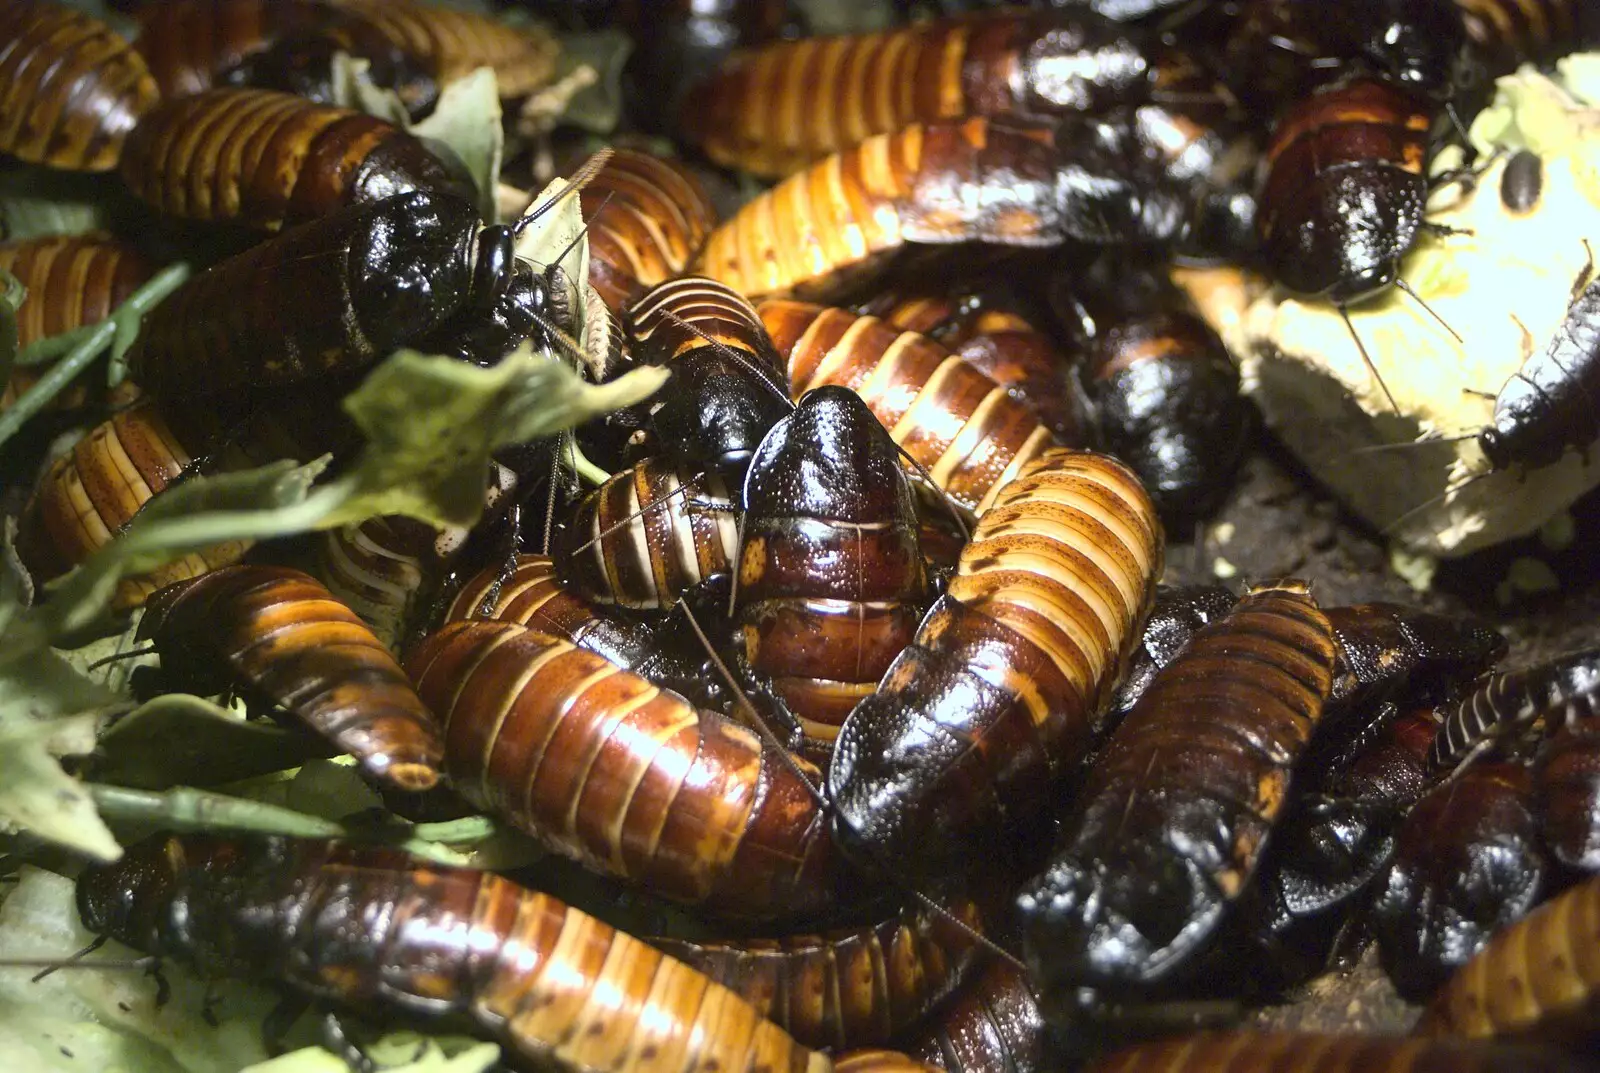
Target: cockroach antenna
[(1366, 359), (580, 179), (732, 354), (1406, 287)]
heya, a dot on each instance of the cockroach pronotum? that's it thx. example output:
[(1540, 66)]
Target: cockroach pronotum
[(1468, 862), (830, 226), (1172, 820), (994, 699), (952, 419), (450, 42), (264, 159), (370, 927), (992, 1024), (1538, 978), (633, 781), (1560, 690), (854, 987), (647, 217), (831, 582), (1308, 1052), (773, 110), (70, 89), (277, 634)]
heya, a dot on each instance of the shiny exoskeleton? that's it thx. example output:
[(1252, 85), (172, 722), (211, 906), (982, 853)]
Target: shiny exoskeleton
[(449, 42), (1175, 813), (1293, 1052), (1558, 691), (1567, 794), (276, 634), (647, 216), (992, 1024), (1522, 182), (633, 781), (71, 90), (995, 697), (372, 928), (1177, 614)]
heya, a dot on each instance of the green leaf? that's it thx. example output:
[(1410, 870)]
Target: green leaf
[(558, 231), (467, 122), (38, 797), (179, 739), (596, 108)]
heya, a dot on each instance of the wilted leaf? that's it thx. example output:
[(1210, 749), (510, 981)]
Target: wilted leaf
[(38, 797), (558, 231), (597, 108), (179, 739), (466, 121)]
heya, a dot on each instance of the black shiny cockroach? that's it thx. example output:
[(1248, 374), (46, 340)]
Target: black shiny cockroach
[(646, 216), (277, 635), (773, 110), (1171, 824), (831, 583), (1468, 862), (995, 697), (71, 90), (855, 987), (371, 928), (1522, 182), (992, 1024), (1309, 1052), (1562, 690)]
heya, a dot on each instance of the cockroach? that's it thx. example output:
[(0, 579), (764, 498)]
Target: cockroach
[(994, 699), (831, 581), (1309, 1052), (834, 224), (877, 1060), (773, 110), (1567, 794), (632, 781), (855, 987), (1522, 182), (378, 569), (451, 42), (368, 927), (952, 419), (1383, 643), (278, 634), (1507, 33), (992, 1024), (264, 159), (647, 536), (1176, 615), (1468, 862), (1171, 823), (1538, 978), (72, 89), (1558, 691), (647, 216)]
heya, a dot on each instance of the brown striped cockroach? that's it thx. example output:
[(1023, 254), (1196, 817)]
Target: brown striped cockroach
[(773, 110), (278, 635), (449, 43), (262, 158), (993, 700), (370, 928), (647, 216), (836, 223), (957, 423), (1309, 1052), (1556, 692), (855, 987), (992, 1024), (70, 89), (1170, 825), (633, 781)]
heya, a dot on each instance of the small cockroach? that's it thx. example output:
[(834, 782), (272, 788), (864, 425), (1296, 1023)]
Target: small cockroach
[(370, 927), (647, 216), (71, 90), (278, 635), (1558, 691), (1522, 182), (994, 699), (1308, 1052), (631, 780), (1171, 823), (992, 1024)]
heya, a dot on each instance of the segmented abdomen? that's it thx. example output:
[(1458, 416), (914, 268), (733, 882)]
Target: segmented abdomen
[(187, 43), (1511, 32), (452, 42), (992, 1024), (647, 217)]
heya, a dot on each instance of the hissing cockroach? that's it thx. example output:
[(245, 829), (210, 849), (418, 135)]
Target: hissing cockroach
[(277, 635), (370, 928), (829, 227), (265, 159), (1566, 783), (1177, 614), (1468, 862), (854, 987), (773, 110), (450, 42), (831, 582), (1507, 33), (1538, 978), (1308, 1052), (633, 781), (952, 419), (647, 216), (994, 699), (992, 1024), (378, 569), (1555, 692), (647, 536), (1522, 182), (878, 1060), (70, 89), (1172, 820)]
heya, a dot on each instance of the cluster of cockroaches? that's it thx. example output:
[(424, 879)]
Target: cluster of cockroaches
[(933, 656)]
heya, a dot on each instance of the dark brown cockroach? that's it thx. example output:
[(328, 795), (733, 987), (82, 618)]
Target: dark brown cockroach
[(1381, 644), (776, 109), (72, 281), (855, 987), (834, 224), (451, 42), (995, 697), (992, 1024), (647, 216), (1296, 1052), (1567, 794), (1556, 692), (1171, 823), (1177, 614), (647, 536), (378, 569), (278, 635), (1538, 978), (264, 159), (70, 89), (368, 927), (1522, 182), (952, 419), (631, 780), (831, 581), (1468, 862)]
